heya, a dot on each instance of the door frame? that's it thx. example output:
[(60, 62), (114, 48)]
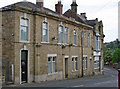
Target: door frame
[(27, 66), (66, 57)]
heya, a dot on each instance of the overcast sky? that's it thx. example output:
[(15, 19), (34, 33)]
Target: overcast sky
[(105, 10)]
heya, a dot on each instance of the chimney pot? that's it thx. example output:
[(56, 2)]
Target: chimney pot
[(59, 7), (40, 3)]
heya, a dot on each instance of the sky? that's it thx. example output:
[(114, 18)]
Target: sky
[(105, 10)]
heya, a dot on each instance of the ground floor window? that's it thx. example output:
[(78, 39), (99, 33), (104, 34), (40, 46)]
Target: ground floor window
[(51, 64), (74, 64), (84, 63), (96, 63)]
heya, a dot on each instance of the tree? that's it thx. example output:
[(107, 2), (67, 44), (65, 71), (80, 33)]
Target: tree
[(107, 55), (116, 56)]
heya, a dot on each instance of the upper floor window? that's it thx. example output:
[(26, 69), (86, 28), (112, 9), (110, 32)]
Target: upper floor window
[(60, 34), (24, 29), (82, 38), (65, 35), (97, 43), (88, 40), (75, 37), (45, 32)]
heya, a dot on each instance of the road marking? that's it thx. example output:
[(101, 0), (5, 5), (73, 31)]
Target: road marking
[(78, 86)]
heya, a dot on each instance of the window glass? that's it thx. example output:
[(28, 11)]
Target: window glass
[(75, 37), (45, 32), (24, 27), (65, 35), (60, 35), (49, 65)]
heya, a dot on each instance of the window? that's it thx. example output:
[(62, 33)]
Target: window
[(45, 32), (97, 43), (65, 35), (74, 64), (88, 40), (24, 29), (75, 37), (60, 35), (85, 63), (51, 64), (96, 63), (82, 36)]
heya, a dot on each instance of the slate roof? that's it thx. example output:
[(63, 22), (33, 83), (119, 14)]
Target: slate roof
[(91, 22), (31, 5), (69, 13), (28, 4)]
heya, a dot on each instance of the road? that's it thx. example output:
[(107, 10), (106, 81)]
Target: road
[(108, 80)]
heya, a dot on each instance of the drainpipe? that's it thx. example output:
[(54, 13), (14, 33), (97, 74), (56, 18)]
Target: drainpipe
[(82, 51), (118, 78)]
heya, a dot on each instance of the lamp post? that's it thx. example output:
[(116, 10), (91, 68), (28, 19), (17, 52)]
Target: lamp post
[(118, 78), (118, 69)]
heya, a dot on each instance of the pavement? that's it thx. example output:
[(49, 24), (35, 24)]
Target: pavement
[(109, 79)]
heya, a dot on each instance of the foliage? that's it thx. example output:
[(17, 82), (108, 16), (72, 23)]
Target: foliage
[(107, 55), (116, 56), (109, 49)]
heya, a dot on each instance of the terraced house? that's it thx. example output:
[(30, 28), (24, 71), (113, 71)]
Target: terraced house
[(39, 44)]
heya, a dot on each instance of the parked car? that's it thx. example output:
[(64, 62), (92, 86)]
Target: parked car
[(115, 65)]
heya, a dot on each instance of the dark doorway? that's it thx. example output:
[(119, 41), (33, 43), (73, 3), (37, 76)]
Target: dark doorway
[(66, 67), (24, 59)]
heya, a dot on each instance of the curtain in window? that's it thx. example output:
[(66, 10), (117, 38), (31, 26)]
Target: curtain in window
[(45, 33), (54, 59), (24, 27), (72, 64), (65, 35), (60, 35), (49, 65), (76, 63), (24, 33), (75, 37)]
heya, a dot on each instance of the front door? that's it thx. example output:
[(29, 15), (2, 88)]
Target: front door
[(66, 67), (24, 59)]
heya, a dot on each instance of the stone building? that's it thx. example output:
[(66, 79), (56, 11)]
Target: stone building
[(39, 44)]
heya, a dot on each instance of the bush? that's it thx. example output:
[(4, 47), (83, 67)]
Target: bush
[(116, 56)]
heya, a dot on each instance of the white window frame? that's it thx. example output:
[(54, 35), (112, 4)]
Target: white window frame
[(97, 62), (65, 33), (62, 34), (85, 62), (89, 40), (97, 42), (25, 41), (52, 55), (45, 21), (73, 63), (73, 37)]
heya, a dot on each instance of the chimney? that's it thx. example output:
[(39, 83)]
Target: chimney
[(59, 7), (83, 15), (74, 6), (40, 3)]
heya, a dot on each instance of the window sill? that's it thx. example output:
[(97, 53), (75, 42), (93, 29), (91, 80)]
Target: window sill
[(44, 42), (74, 45), (24, 41), (96, 68), (74, 70), (52, 73)]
